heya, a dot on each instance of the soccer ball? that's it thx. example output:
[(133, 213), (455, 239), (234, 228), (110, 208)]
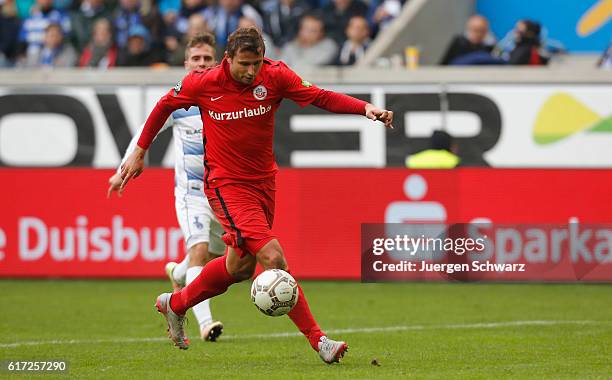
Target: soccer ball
[(274, 292)]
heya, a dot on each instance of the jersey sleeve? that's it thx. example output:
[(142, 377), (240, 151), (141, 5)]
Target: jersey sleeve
[(300, 91), (339, 103), (181, 96)]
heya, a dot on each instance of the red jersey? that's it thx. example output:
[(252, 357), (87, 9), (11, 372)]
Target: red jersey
[(239, 119)]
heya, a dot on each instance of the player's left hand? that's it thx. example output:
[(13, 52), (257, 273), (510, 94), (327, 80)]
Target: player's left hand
[(114, 183), (375, 113), (133, 166)]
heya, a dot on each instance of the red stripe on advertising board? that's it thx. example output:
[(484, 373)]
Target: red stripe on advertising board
[(58, 222)]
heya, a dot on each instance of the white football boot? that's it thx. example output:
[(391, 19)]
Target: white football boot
[(331, 351), (169, 269), (175, 321), (212, 331)]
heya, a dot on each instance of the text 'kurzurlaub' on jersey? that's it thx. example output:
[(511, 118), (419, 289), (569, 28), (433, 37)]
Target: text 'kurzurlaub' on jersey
[(245, 112)]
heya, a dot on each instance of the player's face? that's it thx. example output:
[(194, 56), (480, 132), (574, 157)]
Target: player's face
[(245, 66), (200, 57)]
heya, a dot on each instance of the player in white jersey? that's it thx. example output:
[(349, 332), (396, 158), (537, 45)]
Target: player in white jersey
[(200, 228)]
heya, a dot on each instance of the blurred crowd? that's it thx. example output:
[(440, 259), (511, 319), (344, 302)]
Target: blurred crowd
[(526, 44), (109, 33), (477, 46)]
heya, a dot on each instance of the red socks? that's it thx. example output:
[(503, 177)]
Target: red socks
[(303, 319), (212, 281)]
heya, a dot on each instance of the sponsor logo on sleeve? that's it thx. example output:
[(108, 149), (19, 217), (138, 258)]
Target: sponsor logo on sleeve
[(178, 87)]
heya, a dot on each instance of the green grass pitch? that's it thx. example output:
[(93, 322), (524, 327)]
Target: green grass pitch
[(109, 329)]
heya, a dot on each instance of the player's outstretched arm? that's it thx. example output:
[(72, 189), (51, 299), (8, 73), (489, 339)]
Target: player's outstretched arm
[(303, 93), (341, 103)]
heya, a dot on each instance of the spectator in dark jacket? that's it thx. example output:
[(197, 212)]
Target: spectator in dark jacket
[(357, 41), (337, 14), (282, 19), (527, 49), (474, 40), (83, 21), (223, 18), (9, 31), (137, 12), (138, 51)]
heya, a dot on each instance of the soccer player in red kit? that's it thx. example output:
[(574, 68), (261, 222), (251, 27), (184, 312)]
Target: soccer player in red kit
[(237, 100)]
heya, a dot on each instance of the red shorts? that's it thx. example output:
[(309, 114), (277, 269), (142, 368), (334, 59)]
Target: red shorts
[(246, 212)]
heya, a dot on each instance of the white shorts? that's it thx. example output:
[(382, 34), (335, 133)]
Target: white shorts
[(199, 223)]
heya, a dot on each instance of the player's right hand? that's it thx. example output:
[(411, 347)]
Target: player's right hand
[(114, 183), (133, 166), (379, 114)]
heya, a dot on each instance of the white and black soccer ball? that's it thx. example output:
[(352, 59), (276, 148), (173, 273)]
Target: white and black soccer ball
[(274, 292)]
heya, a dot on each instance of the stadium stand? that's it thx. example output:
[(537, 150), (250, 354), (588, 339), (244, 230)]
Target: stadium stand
[(438, 31)]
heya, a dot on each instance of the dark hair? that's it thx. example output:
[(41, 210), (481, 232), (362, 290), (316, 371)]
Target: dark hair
[(441, 140), (245, 39), (533, 27), (532, 32), (205, 38), (362, 17)]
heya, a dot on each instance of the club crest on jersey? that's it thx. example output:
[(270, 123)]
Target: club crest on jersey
[(178, 87), (260, 92)]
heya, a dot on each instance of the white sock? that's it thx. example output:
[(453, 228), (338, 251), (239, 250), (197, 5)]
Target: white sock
[(180, 271), (201, 310)]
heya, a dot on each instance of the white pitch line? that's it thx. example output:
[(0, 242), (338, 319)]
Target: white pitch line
[(362, 330), (369, 330)]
